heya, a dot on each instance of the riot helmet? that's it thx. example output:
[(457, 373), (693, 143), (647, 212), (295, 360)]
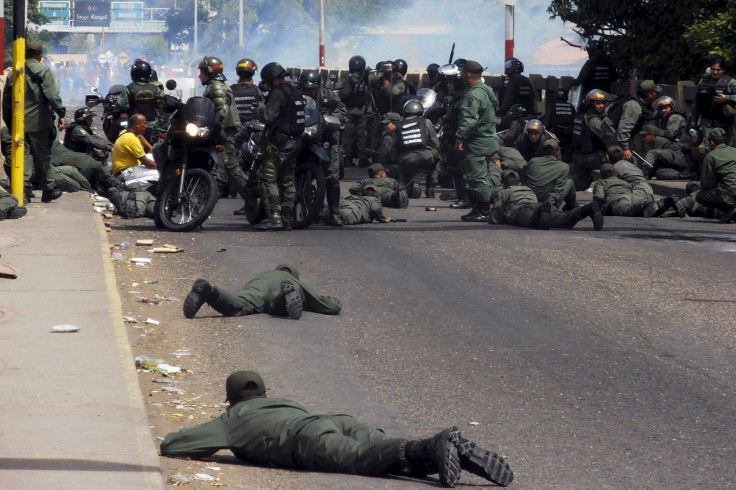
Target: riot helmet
[(401, 66), (662, 102), (460, 62), (596, 94), (413, 108), (272, 71), (517, 110), (154, 76), (513, 65), (83, 112), (534, 125), (309, 79), (356, 63), (212, 67), (432, 70), (246, 68), (140, 71), (386, 67)]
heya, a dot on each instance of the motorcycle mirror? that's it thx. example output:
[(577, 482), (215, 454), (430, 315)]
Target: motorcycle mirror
[(94, 90), (171, 84)]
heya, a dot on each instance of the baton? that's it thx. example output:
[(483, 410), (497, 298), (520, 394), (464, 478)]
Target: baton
[(642, 159)]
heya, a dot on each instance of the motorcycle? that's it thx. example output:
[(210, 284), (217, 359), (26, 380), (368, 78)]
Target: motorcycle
[(186, 155), (112, 121), (309, 179)]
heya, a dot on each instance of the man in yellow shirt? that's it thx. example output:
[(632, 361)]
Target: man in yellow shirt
[(129, 160)]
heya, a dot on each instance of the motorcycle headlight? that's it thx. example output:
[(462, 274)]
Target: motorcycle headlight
[(195, 131)]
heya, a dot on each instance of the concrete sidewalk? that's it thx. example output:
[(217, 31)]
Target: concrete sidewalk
[(71, 411)]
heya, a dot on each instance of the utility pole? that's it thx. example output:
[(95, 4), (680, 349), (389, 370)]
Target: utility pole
[(509, 24), (240, 30), (19, 99), (322, 33), (196, 40)]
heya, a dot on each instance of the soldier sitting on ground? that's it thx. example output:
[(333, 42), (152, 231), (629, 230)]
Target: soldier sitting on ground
[(529, 143), (392, 193), (547, 176), (80, 136), (517, 205), (282, 433), (9, 206), (277, 292)]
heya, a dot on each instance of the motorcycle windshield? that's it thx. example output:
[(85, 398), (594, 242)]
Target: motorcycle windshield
[(200, 111), (312, 115)]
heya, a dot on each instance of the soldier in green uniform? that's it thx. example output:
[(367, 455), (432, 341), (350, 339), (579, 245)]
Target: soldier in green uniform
[(280, 432), (717, 183), (392, 193), (476, 139), (9, 206), (277, 292), (42, 101), (80, 137), (517, 205), (547, 176), (665, 157), (617, 197), (358, 210), (211, 76), (625, 118)]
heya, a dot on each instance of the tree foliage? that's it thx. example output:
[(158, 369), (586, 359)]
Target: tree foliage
[(658, 39)]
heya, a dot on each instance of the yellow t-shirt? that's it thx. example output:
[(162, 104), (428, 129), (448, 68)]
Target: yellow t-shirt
[(126, 152)]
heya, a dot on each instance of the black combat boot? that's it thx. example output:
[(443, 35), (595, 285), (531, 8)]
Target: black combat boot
[(51, 194), (241, 211), (113, 195), (727, 216), (293, 300), (658, 208), (288, 217), (592, 210), (429, 192), (333, 202), (274, 223), (543, 218), (438, 453), (485, 464), (681, 207), (201, 292), (479, 214)]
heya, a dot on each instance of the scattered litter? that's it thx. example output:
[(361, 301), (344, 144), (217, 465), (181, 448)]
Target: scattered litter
[(167, 249), (163, 380), (179, 479), (124, 245), (147, 362), (213, 468), (142, 241), (117, 256), (176, 416), (171, 298), (174, 389), (204, 477), (129, 319), (151, 321), (473, 423), (141, 260), (160, 438), (181, 354), (222, 250), (144, 299), (65, 328), (150, 282), (166, 369)]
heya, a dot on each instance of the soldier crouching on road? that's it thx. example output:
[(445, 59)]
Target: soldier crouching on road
[(280, 432), (277, 292)]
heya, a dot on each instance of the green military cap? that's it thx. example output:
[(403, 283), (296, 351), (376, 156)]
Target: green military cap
[(615, 153), (391, 117), (288, 268), (550, 146), (717, 135), (372, 188), (473, 67), (648, 86), (243, 384), (607, 170), (650, 129), (375, 168), (34, 49), (510, 177)]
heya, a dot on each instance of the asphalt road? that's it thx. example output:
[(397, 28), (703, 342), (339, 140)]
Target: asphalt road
[(587, 359)]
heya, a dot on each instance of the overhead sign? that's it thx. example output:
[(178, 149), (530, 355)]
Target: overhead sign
[(58, 13), (94, 14), (124, 12)]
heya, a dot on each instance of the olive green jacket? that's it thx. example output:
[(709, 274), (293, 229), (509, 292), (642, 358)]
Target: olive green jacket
[(222, 96), (42, 99), (546, 176), (477, 121), (719, 170)]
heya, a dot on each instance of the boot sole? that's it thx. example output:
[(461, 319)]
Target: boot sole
[(447, 458), (195, 299), (294, 307), (485, 464)]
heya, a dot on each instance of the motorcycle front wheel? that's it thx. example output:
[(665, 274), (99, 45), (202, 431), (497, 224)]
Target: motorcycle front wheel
[(254, 211), (310, 193), (193, 207)]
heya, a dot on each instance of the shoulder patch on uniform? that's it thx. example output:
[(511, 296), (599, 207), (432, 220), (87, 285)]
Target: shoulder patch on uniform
[(471, 101), (630, 113)]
